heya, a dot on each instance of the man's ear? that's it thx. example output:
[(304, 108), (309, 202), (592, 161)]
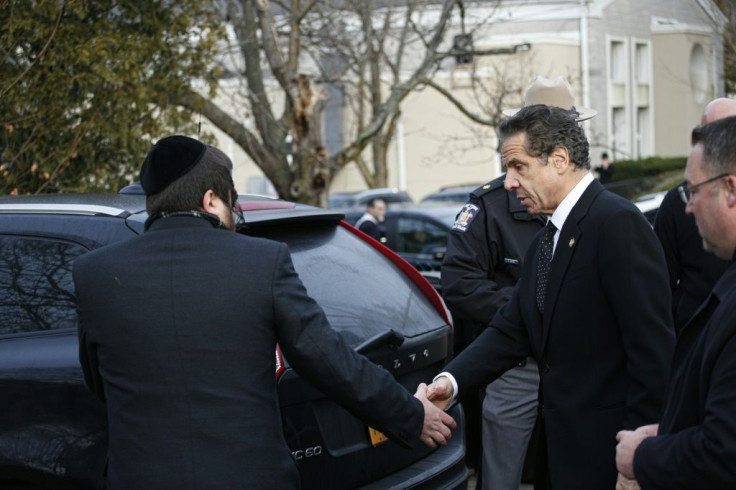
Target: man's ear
[(209, 204), (730, 190), (560, 158)]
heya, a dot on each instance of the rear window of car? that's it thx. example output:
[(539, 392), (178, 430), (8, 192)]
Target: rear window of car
[(37, 286), (360, 290)]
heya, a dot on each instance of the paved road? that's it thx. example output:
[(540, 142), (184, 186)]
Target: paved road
[(471, 485)]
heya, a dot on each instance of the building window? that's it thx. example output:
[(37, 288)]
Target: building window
[(641, 58), (618, 62), (620, 144), (643, 136), (698, 73)]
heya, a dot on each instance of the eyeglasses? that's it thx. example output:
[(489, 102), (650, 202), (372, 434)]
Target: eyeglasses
[(686, 190)]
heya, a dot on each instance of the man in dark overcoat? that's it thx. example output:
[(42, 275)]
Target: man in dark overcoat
[(484, 260), (178, 332), (693, 271), (694, 445), (592, 306), (371, 223)]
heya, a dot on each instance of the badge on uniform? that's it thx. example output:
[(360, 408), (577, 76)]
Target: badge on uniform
[(466, 216)]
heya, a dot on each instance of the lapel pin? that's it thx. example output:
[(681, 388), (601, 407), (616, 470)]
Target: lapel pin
[(572, 242)]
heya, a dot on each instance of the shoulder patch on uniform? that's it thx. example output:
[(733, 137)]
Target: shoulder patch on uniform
[(465, 217)]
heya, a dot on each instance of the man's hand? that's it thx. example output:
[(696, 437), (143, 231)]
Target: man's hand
[(628, 441), (440, 392), (623, 483), (437, 424)]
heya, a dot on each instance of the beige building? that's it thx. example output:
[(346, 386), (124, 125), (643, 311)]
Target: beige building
[(647, 66)]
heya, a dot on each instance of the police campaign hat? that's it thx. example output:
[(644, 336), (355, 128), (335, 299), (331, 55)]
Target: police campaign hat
[(169, 159), (554, 93)]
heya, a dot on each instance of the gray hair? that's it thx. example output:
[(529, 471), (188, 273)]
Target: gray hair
[(547, 128)]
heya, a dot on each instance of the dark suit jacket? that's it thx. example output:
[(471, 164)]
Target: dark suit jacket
[(696, 445), (693, 272), (603, 346), (178, 329), (372, 229)]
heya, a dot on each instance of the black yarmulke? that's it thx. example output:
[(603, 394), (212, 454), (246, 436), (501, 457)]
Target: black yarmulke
[(169, 159)]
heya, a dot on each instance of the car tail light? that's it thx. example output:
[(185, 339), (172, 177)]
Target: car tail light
[(279, 363), (417, 278)]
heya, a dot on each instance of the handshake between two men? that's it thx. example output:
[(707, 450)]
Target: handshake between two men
[(435, 399)]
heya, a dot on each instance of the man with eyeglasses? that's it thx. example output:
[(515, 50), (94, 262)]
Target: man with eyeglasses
[(692, 270), (694, 445)]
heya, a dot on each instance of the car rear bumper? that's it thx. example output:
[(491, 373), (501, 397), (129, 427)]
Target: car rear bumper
[(442, 469)]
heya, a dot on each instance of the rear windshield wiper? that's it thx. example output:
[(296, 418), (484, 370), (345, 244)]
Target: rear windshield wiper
[(390, 338)]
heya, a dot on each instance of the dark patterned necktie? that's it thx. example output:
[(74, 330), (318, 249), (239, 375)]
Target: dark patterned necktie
[(546, 245)]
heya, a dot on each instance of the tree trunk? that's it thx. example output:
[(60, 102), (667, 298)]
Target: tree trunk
[(311, 176)]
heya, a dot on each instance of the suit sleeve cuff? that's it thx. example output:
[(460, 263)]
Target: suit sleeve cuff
[(452, 380)]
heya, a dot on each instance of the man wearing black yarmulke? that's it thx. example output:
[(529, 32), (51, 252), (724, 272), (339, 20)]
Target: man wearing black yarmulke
[(177, 333)]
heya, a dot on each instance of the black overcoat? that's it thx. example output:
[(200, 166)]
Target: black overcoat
[(696, 445), (603, 346), (178, 330), (693, 271)]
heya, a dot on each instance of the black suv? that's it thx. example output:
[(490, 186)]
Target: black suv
[(53, 430)]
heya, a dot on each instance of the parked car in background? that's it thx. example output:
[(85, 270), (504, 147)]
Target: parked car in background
[(451, 194), (649, 205), (418, 233), (53, 429), (346, 200)]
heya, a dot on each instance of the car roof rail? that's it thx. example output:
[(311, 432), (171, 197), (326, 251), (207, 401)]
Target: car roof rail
[(62, 208)]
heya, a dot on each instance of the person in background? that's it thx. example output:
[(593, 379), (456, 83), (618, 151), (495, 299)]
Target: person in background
[(693, 271), (177, 333), (694, 444), (484, 260), (595, 316), (371, 223), (605, 169)]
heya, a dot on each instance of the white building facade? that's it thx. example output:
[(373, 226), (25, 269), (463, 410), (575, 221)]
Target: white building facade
[(648, 67)]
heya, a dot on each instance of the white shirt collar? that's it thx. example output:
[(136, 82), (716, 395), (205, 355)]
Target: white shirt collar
[(560, 215), (369, 217)]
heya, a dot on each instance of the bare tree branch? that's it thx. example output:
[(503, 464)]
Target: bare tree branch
[(305, 10), (271, 48), (518, 48), (272, 132), (448, 95), (242, 136), (398, 93)]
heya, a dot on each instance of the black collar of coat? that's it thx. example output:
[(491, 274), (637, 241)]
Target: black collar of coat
[(177, 220)]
